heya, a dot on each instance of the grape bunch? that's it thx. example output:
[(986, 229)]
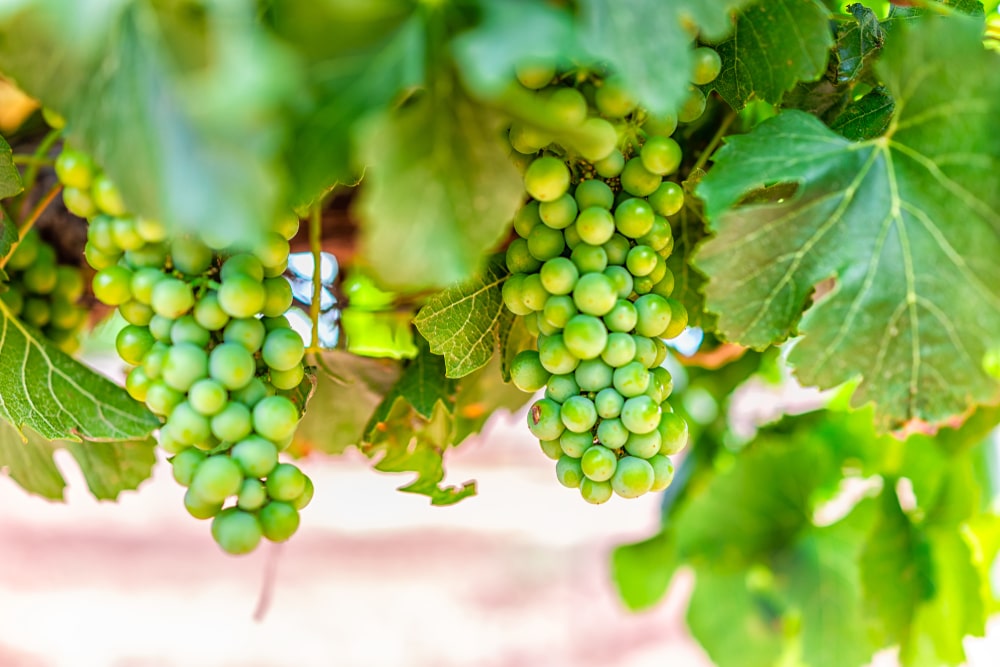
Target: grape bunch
[(589, 277), (211, 353), (45, 293)]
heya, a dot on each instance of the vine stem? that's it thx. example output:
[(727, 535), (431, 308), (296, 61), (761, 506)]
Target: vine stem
[(31, 160), (316, 247), (714, 143), (31, 173), (30, 221)]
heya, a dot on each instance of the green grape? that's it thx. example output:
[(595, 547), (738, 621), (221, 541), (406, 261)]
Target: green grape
[(633, 477), (707, 66), (637, 180), (662, 126), (663, 472), (575, 444), (136, 313), (256, 456), (643, 445), (132, 343), (511, 294), (535, 74), (594, 294), (305, 497), (634, 217), (124, 233), (578, 414), (272, 323), (527, 139), (551, 449), (216, 478), (571, 237), (186, 329), (75, 169), (585, 336), (561, 387), (272, 250), (567, 106), (278, 297), (162, 399), (593, 375), (252, 495), (661, 155), (150, 230), (161, 328), (106, 196), (544, 420), (248, 332), (533, 293), (187, 426), (568, 472), (612, 433), (232, 423), (668, 199), (617, 249), (172, 298), (527, 218), (621, 280), (153, 255), (287, 380), (619, 349), (559, 275), (243, 264), (253, 393), (664, 380), (558, 213), (79, 202), (659, 270), (185, 364), (613, 99), (279, 521), (622, 317), (673, 433), (595, 226), (610, 166), (198, 507), (111, 285), (640, 414), (654, 315), (36, 312), (555, 357), (598, 463), (208, 397), (559, 310), (678, 319), (547, 178), (41, 278), (693, 107), (285, 482), (283, 349), (543, 325), (275, 418), (594, 193), (544, 243), (137, 383), (519, 258), (632, 379), (232, 365), (98, 259), (236, 532), (589, 258), (527, 372), (185, 463), (240, 296), (608, 403), (66, 315), (14, 298), (595, 493)]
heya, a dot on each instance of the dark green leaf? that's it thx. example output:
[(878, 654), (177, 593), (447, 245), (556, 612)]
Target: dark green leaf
[(775, 44), (422, 384), (462, 323), (10, 177), (8, 238), (642, 571), (902, 221), (867, 117), (647, 43), (439, 185), (689, 230), (858, 40), (185, 111), (108, 467)]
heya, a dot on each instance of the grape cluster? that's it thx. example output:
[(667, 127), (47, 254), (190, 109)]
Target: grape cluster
[(212, 354), (45, 293), (589, 277)]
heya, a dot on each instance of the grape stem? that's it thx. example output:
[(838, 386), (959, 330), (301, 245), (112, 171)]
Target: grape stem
[(31, 173), (316, 247), (29, 222), (32, 160), (720, 132)]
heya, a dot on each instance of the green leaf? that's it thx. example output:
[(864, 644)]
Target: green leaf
[(642, 571), (481, 394), (441, 186), (688, 231), (858, 39), (8, 239), (185, 110), (901, 222), (648, 45), (867, 117), (775, 44), (10, 177), (422, 385), (57, 396), (108, 467), (348, 390), (462, 323)]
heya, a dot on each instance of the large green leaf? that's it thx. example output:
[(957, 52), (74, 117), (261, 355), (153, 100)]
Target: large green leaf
[(642, 571), (775, 44), (903, 222), (186, 110), (10, 177), (57, 396), (439, 185), (108, 467), (463, 323), (647, 42)]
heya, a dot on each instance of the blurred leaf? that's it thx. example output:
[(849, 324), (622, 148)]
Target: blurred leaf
[(482, 394), (648, 45), (859, 38), (462, 323), (440, 185), (775, 44), (10, 178), (642, 571), (897, 220), (866, 118), (422, 384), (108, 467)]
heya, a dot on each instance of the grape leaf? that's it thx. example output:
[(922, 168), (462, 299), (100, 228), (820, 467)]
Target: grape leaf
[(439, 185), (57, 396), (901, 221), (8, 239), (858, 39), (462, 323), (775, 44), (193, 140), (10, 177), (648, 45), (688, 231), (108, 467), (422, 385), (867, 117), (642, 570)]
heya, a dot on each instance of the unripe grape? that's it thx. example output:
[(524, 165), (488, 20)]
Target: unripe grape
[(593, 375), (279, 521), (236, 532), (673, 433), (661, 155), (252, 495), (575, 444), (640, 414), (663, 472), (216, 478), (633, 477), (612, 433), (707, 66), (595, 493), (561, 387), (527, 372), (285, 482), (568, 472), (275, 418), (255, 455), (544, 420), (547, 178), (598, 463), (184, 465)]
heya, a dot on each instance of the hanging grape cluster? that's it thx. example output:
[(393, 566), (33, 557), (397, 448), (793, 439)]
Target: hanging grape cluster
[(211, 353), (589, 277), (45, 293)]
